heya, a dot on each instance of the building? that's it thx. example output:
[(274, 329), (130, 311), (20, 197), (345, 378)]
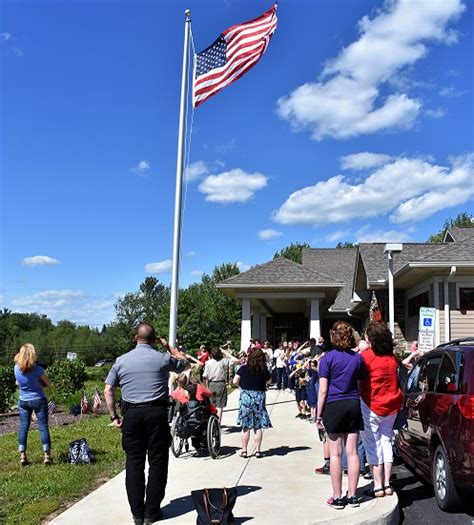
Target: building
[(283, 300)]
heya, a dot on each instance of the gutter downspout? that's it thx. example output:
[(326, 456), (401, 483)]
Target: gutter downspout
[(447, 312)]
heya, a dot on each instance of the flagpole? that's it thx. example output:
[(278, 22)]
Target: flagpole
[(179, 183)]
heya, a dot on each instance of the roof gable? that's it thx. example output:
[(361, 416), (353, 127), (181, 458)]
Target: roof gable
[(279, 271)]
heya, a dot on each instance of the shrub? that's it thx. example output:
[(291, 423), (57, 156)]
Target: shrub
[(7, 387), (97, 373), (67, 376)]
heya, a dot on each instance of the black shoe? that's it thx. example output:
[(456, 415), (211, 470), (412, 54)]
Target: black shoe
[(337, 503), (138, 521), (158, 517), (352, 501)]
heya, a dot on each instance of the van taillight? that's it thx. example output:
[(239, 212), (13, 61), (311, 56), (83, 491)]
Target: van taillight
[(466, 406)]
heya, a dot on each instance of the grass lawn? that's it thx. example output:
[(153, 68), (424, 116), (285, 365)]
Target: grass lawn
[(29, 494)]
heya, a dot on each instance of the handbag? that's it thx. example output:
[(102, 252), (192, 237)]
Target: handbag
[(401, 422), (214, 506), (79, 453)]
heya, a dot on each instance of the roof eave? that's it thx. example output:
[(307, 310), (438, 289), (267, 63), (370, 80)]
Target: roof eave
[(281, 285)]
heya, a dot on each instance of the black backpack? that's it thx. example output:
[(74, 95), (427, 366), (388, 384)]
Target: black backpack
[(79, 453)]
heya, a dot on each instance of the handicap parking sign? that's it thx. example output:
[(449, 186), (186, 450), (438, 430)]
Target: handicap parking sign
[(427, 318)]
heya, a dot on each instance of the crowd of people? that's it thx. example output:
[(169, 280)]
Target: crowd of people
[(349, 389)]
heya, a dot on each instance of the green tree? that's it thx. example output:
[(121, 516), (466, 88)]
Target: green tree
[(293, 252), (345, 245), (463, 220)]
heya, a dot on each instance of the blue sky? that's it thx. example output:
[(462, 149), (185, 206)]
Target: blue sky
[(356, 125)]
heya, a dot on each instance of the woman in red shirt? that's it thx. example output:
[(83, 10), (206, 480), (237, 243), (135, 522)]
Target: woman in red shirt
[(380, 403)]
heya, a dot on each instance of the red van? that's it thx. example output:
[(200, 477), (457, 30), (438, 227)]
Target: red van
[(438, 442)]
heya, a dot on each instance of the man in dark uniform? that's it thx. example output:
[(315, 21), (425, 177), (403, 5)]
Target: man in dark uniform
[(142, 375)]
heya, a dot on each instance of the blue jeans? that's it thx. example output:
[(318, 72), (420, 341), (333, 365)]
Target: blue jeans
[(282, 376), (26, 409), (360, 452)]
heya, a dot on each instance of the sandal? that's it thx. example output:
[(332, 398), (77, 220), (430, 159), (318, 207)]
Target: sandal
[(24, 462), (47, 460), (388, 490), (243, 454), (375, 493), (258, 454)]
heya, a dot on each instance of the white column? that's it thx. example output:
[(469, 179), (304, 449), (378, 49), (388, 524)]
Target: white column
[(263, 327), (245, 330), (437, 306), (256, 324), (314, 321), (447, 313), (391, 295)]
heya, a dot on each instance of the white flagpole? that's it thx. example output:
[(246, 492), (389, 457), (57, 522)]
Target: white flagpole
[(179, 182)]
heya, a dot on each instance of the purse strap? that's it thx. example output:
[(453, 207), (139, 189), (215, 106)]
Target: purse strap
[(207, 501)]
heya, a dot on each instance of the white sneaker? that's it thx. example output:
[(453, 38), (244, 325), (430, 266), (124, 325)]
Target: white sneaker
[(288, 390)]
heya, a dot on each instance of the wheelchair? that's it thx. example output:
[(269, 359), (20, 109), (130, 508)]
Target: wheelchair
[(193, 422)]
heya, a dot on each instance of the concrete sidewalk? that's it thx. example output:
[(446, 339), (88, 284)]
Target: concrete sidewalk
[(279, 489)]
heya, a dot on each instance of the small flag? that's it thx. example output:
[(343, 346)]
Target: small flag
[(97, 401), (234, 52), (51, 406), (85, 407)]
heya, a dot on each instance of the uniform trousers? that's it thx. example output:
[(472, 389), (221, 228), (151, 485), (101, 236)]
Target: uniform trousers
[(145, 430)]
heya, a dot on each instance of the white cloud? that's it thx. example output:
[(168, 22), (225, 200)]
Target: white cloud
[(73, 305), (409, 189), (6, 36), (18, 52), (158, 267), (365, 235), (197, 170), (197, 273), (142, 167), (191, 253), (336, 236), (347, 100), (266, 235), (435, 113), (364, 160), (451, 92), (232, 186), (40, 260), (242, 266), (202, 168)]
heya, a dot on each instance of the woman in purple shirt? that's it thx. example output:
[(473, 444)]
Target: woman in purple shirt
[(31, 379), (339, 410)]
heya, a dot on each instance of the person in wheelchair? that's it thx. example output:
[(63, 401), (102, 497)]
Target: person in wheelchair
[(195, 408)]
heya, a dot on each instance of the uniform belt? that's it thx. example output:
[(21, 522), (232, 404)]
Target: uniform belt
[(154, 403)]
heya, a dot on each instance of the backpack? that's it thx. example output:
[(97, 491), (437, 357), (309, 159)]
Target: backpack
[(79, 453)]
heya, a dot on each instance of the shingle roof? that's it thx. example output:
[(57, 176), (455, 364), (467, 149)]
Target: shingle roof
[(375, 261), (461, 234), (279, 271), (338, 263)]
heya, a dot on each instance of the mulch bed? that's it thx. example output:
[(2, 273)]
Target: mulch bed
[(10, 422)]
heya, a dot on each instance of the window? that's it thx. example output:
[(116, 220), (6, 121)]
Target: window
[(415, 303), (423, 376), (466, 298), (450, 373)]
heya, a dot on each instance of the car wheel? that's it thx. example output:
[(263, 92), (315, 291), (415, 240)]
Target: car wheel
[(445, 491)]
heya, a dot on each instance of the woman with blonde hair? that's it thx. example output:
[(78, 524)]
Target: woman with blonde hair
[(32, 380)]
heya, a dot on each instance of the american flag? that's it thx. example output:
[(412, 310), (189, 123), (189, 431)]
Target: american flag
[(85, 407), (51, 406), (97, 401), (234, 52), (374, 311)]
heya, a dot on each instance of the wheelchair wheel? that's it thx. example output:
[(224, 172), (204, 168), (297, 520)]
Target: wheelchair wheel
[(213, 436), (177, 442)]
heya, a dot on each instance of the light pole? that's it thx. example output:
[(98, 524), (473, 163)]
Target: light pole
[(389, 249)]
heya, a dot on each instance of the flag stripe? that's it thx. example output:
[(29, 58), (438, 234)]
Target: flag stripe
[(222, 71), (214, 79), (236, 51), (245, 67)]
